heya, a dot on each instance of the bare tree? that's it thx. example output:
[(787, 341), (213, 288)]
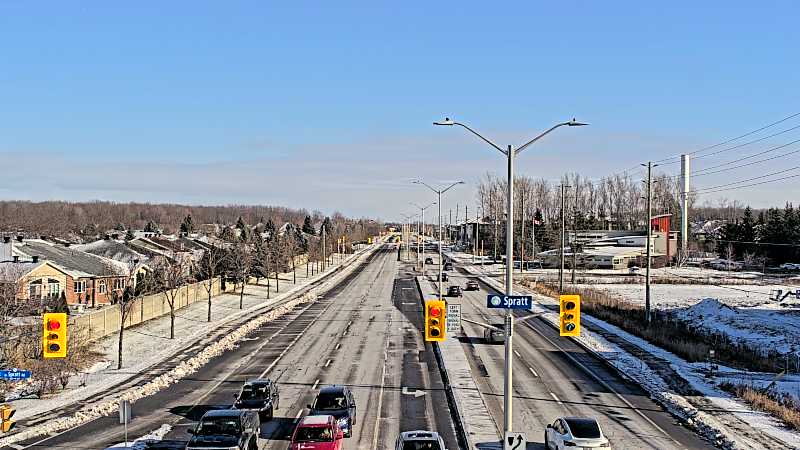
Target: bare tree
[(138, 283), (241, 264), (171, 276), (210, 268)]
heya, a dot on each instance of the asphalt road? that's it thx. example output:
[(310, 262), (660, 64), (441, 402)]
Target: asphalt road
[(548, 383), (364, 333)]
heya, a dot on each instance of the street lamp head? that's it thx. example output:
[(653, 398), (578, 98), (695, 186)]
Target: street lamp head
[(446, 121), (575, 123)]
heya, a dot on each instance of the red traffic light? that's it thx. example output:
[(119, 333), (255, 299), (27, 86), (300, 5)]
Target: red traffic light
[(53, 325), (436, 311)]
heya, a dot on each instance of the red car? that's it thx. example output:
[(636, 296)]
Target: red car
[(317, 433)]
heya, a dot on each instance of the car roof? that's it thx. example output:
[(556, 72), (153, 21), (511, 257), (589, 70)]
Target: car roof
[(581, 420), (420, 435), (259, 381), (316, 420), (335, 389), (224, 413)]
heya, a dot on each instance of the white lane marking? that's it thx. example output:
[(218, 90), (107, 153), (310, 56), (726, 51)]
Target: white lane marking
[(328, 363), (533, 372), (380, 395), (338, 346), (297, 416), (315, 384), (410, 303), (556, 399), (517, 353)]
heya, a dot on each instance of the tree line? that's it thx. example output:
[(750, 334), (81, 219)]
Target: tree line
[(768, 236)]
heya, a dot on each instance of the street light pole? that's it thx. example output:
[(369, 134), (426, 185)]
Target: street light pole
[(422, 232), (439, 193), (510, 153)]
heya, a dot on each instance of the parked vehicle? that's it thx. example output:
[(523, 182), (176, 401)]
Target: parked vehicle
[(444, 277), (472, 285), (419, 440), (428, 260), (496, 334), (575, 432), (789, 267), (338, 402), (317, 433), (447, 266), (260, 395), (226, 428), (454, 291)]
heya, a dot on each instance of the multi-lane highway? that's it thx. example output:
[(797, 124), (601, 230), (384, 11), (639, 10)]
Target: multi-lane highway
[(549, 382), (364, 333)]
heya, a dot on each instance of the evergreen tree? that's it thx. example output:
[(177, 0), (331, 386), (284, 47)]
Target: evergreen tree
[(729, 232), (228, 234), (244, 234), (327, 225), (270, 228), (747, 233), (151, 227), (308, 228), (187, 226), (129, 235), (119, 226), (791, 232)]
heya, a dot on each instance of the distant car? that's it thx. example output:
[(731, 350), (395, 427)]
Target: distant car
[(419, 440), (448, 266), (226, 428), (260, 395), (454, 291), (495, 335), (317, 433), (428, 260), (444, 277), (472, 285), (575, 432), (338, 402), (789, 266)]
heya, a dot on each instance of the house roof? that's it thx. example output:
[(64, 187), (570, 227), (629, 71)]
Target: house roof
[(112, 249), (10, 272), (76, 263)]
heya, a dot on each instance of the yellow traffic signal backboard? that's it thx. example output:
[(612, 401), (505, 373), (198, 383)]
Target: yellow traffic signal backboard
[(6, 413), (54, 338), (434, 320), (569, 315)]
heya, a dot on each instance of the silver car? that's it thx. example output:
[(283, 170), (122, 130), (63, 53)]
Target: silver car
[(496, 335), (419, 440), (575, 432)]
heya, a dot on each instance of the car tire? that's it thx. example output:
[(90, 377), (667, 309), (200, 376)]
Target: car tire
[(271, 413), (546, 445)]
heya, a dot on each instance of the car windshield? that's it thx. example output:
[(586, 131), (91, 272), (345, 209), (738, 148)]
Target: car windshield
[(219, 425), (253, 393), (421, 445), (314, 434), (584, 428), (329, 402)]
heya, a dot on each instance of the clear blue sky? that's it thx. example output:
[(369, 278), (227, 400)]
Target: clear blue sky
[(330, 107)]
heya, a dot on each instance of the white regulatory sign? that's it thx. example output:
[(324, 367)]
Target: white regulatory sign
[(453, 318), (514, 441)]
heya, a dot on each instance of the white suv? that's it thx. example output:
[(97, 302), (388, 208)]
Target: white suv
[(573, 432), (419, 440)]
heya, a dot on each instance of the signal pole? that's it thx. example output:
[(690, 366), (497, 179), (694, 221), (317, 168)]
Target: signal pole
[(561, 250), (649, 241)]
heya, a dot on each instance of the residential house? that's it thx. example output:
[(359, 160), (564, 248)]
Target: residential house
[(35, 280), (95, 280)]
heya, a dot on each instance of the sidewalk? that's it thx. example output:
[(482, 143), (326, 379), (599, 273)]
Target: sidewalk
[(148, 344), (478, 425)]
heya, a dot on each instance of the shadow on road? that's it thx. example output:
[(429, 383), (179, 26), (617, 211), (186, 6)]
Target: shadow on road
[(195, 412)]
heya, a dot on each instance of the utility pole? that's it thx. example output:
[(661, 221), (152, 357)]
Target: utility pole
[(510, 153), (561, 250), (522, 233), (649, 241), (324, 250), (574, 245)]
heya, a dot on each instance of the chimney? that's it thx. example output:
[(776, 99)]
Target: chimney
[(6, 239), (115, 236), (35, 258), (16, 258), (19, 238)]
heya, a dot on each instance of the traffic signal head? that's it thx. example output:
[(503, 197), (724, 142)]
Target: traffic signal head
[(570, 315), (6, 412), (54, 340), (434, 320)]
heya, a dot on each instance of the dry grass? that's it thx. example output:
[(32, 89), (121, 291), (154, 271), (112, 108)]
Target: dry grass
[(780, 405), (669, 333)]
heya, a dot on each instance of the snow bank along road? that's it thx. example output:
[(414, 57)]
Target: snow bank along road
[(548, 383), (363, 333)]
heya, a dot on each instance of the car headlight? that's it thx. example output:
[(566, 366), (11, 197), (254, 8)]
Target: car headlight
[(343, 422)]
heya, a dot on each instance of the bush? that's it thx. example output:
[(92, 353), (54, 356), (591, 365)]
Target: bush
[(781, 405)]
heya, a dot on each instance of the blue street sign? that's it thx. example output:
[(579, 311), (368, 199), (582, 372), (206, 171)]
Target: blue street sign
[(509, 301), (15, 374)]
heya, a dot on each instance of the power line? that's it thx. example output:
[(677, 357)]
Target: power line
[(752, 184), (748, 143), (763, 152), (749, 133), (746, 180)]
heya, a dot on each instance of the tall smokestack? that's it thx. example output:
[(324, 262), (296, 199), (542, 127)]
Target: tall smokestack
[(684, 203)]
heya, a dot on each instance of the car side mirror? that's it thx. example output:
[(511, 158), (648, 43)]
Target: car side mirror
[(190, 431), (549, 426), (308, 406)]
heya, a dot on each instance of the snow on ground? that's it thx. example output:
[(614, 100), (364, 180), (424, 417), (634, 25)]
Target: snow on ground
[(149, 343), (141, 443)]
